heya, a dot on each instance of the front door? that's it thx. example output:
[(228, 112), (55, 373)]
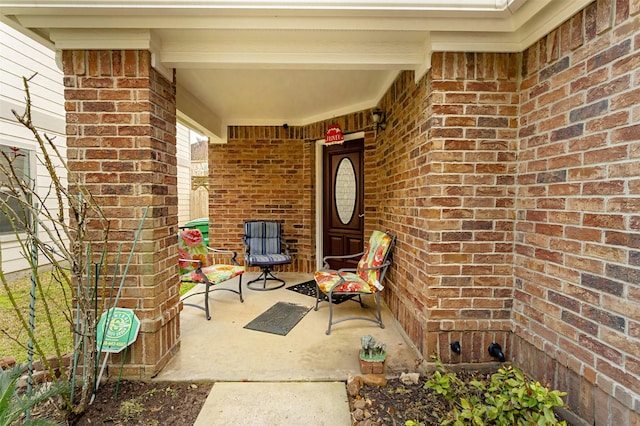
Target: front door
[(343, 212)]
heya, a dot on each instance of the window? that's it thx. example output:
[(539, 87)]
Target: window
[(19, 159)]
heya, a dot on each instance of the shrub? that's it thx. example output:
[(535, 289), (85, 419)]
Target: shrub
[(507, 399)]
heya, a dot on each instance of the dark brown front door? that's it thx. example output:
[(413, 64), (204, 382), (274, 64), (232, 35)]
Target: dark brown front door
[(343, 201)]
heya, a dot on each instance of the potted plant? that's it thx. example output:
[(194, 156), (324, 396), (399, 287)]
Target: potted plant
[(372, 355)]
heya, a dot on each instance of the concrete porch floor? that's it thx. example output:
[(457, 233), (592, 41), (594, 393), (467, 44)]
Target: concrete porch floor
[(280, 368)]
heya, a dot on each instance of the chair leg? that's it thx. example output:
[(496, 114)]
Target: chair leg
[(266, 275), (379, 315), (317, 297), (206, 300), (330, 297)]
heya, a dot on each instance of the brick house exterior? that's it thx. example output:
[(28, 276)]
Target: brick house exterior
[(511, 181)]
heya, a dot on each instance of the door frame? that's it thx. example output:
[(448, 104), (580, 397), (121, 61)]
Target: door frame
[(319, 194)]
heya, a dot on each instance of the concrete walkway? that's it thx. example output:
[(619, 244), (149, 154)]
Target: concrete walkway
[(267, 379)]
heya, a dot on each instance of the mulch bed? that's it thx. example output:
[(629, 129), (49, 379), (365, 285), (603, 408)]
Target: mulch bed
[(139, 403)]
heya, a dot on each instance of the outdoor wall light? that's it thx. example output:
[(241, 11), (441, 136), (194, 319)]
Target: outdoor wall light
[(377, 117)]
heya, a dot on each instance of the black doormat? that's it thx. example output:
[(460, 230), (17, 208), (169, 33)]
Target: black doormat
[(279, 319), (308, 288)]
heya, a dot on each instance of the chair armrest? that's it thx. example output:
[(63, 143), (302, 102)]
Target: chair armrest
[(224, 251), (346, 256), (192, 261)]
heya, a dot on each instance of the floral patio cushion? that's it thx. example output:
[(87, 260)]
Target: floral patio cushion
[(215, 274), (192, 251), (350, 282), (362, 281)]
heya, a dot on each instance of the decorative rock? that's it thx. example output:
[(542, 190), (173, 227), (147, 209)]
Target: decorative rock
[(361, 403), (410, 378), (374, 380), (354, 384), (358, 414), (7, 362)]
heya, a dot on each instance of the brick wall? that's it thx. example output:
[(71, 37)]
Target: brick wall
[(577, 259), (264, 173), (121, 145), (270, 173)]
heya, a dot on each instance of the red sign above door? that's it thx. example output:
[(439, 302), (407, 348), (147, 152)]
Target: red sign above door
[(334, 135)]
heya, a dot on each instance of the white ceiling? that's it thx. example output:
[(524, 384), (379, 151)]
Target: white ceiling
[(267, 62)]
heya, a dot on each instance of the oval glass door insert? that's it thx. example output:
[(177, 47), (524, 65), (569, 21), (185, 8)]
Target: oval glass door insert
[(345, 190)]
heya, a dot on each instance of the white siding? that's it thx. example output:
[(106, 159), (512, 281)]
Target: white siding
[(22, 57), (183, 159)]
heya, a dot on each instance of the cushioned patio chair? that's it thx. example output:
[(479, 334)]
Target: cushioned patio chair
[(264, 248), (196, 266), (365, 279)]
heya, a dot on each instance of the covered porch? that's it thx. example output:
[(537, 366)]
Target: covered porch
[(508, 168)]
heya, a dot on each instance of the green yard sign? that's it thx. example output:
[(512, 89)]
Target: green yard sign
[(121, 330)]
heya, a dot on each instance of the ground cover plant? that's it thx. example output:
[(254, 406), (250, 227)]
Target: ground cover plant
[(467, 397), (507, 398)]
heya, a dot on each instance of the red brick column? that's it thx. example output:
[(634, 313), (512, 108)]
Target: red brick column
[(121, 137), (449, 161), (473, 105)]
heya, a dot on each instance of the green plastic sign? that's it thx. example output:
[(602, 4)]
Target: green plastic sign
[(120, 332)]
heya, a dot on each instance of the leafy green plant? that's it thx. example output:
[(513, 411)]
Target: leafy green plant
[(445, 383), (508, 399), (131, 409), (13, 406)]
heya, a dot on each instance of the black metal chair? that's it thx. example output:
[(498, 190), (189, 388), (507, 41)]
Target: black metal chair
[(365, 279), (196, 266), (264, 248)]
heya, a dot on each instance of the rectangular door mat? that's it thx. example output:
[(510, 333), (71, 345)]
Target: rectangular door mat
[(279, 319)]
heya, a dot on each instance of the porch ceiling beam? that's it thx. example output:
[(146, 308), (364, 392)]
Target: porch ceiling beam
[(193, 113), (293, 56)]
